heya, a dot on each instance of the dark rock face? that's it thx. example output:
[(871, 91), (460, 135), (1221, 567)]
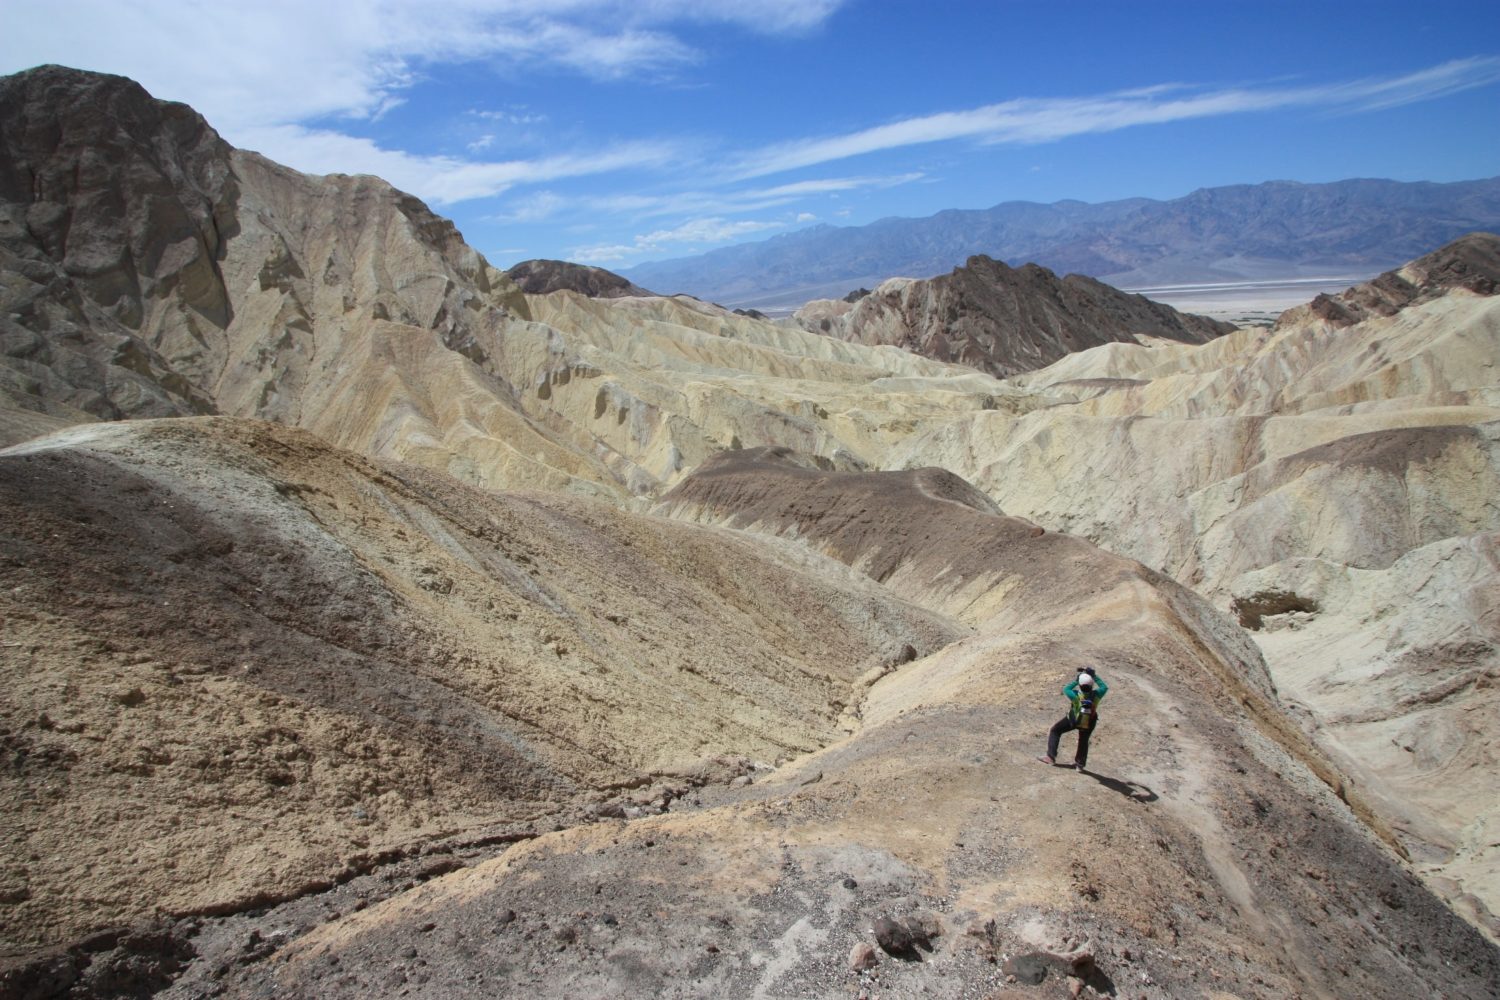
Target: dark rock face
[(1470, 262), (149, 269), (110, 203), (1005, 320), (538, 277)]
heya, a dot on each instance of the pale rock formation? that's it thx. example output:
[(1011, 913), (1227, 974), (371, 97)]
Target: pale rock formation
[(1353, 447), (1399, 667)]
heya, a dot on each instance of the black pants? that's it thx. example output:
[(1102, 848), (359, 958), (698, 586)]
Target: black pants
[(1063, 725)]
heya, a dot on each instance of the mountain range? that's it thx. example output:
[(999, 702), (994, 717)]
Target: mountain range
[(1271, 231)]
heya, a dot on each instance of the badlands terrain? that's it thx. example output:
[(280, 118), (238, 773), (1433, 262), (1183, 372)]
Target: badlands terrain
[(379, 623)]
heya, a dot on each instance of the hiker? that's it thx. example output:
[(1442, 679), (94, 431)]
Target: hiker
[(1084, 695)]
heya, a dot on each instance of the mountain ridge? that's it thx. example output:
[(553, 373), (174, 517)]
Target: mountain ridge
[(1273, 230)]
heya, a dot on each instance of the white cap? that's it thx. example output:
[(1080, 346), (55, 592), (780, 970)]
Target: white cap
[(1085, 681)]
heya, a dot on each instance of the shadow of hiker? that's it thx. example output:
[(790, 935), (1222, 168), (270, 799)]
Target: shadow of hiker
[(1130, 789)]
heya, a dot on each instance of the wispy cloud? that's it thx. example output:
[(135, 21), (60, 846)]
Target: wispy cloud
[(509, 116), (280, 62), (442, 180), (1037, 120), (695, 231), (730, 200)]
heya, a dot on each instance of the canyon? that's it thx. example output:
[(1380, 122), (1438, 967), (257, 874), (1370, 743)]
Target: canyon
[(377, 621)]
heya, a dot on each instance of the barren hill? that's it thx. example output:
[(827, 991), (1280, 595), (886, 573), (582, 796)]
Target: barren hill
[(538, 277), (1003, 320), (298, 749), (268, 662), (1472, 263)]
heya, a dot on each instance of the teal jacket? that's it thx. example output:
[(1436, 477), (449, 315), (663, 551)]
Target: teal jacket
[(1075, 697)]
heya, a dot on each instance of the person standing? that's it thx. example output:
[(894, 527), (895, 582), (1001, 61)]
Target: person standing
[(1084, 694)]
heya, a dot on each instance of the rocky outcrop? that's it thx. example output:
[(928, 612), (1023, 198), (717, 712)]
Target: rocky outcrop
[(1471, 263), (1004, 320), (114, 209), (152, 270), (539, 277)]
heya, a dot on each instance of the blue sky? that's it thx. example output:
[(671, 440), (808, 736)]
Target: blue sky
[(616, 133)]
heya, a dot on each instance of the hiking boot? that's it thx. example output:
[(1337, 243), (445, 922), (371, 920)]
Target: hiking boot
[(1046, 760), (1077, 766)]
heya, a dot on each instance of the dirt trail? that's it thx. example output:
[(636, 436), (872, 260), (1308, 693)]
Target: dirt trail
[(1186, 790)]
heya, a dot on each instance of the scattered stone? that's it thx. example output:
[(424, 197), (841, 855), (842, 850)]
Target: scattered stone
[(863, 957), (893, 936), (924, 926), (1028, 968)]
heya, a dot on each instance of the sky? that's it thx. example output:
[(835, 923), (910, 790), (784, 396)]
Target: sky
[(614, 132)]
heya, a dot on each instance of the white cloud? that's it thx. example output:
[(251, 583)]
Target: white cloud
[(536, 207), (439, 179), (482, 143), (280, 62), (806, 217), (1035, 120), (510, 116), (694, 231), (707, 203)]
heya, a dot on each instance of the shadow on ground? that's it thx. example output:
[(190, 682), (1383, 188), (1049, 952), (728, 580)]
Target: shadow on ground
[(1130, 789)]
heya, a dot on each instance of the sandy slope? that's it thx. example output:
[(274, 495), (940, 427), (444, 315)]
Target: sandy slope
[(1201, 856), (1312, 465), (240, 662)]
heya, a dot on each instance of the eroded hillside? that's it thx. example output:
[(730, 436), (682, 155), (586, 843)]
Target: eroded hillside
[(265, 661), (521, 665)]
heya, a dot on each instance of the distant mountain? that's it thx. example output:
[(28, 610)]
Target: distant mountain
[(1276, 230), (1002, 320)]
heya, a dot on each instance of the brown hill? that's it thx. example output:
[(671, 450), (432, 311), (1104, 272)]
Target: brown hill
[(241, 665), (1003, 320), (1200, 853), (541, 277), (1471, 263)]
